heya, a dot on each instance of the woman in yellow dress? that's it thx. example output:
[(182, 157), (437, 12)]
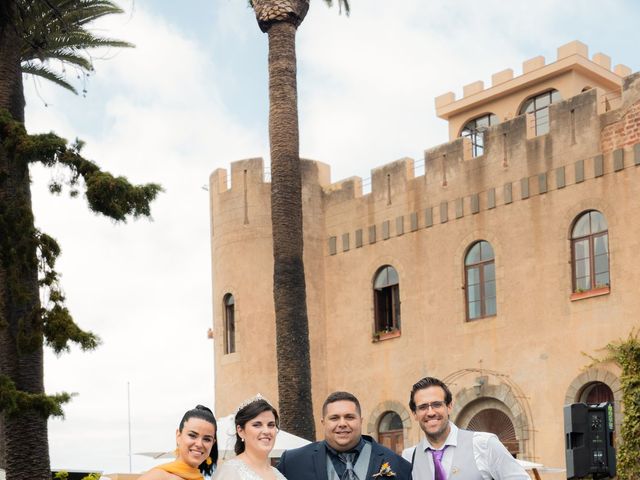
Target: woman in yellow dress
[(196, 450), (256, 430)]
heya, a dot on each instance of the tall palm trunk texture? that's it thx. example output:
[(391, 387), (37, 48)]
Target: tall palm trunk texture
[(21, 359), (280, 20)]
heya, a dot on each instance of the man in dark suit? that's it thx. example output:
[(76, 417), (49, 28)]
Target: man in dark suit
[(345, 453)]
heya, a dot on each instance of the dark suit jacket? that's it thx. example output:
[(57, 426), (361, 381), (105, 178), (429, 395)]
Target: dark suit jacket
[(310, 463)]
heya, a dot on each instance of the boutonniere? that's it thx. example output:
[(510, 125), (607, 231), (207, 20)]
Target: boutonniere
[(385, 471)]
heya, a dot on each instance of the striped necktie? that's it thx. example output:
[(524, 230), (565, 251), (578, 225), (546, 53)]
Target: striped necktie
[(349, 473)]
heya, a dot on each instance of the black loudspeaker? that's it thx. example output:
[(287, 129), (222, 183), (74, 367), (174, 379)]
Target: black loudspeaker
[(589, 440)]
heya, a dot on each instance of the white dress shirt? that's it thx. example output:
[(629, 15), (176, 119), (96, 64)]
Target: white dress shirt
[(492, 458)]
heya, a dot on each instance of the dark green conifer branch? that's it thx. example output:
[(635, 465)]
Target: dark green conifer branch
[(114, 197), (58, 326), (14, 401)]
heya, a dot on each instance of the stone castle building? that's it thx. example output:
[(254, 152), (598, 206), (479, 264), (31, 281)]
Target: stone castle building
[(495, 270)]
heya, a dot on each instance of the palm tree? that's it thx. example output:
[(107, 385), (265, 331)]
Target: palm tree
[(280, 20), (38, 37)]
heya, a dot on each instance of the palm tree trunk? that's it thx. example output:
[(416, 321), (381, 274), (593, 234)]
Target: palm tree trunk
[(11, 94), (24, 446), (289, 291)]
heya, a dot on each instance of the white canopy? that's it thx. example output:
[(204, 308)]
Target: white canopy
[(227, 438)]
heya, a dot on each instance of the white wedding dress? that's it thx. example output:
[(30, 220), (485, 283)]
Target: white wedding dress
[(235, 469)]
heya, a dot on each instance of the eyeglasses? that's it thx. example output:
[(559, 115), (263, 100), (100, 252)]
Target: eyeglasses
[(424, 407)]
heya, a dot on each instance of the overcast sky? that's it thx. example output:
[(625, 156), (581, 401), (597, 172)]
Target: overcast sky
[(192, 97)]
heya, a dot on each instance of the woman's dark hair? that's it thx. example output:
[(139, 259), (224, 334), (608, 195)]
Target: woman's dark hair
[(249, 412), (204, 413)]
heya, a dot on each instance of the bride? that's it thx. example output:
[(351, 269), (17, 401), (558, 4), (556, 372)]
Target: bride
[(256, 430)]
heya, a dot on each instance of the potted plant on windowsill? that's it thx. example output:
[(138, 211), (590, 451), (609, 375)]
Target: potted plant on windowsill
[(386, 334)]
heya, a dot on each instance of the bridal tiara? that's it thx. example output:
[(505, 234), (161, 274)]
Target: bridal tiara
[(249, 401)]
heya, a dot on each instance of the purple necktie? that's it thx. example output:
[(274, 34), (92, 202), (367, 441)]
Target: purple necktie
[(438, 473)]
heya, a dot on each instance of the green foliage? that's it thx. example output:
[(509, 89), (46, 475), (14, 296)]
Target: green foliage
[(58, 326), (60, 329), (17, 250), (92, 476), (61, 475), (626, 353), (14, 401), (54, 35), (114, 197)]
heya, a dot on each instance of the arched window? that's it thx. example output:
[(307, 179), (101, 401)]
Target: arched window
[(595, 392), (386, 298), (590, 252), (391, 432), (229, 324), (480, 281), (494, 421), (538, 106), (474, 131)]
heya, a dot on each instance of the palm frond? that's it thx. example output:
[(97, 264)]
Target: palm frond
[(42, 71), (341, 4), (58, 30), (70, 57)]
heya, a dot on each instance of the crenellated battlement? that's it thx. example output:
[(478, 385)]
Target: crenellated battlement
[(505, 145), (250, 170), (572, 73), (535, 68), (583, 142)]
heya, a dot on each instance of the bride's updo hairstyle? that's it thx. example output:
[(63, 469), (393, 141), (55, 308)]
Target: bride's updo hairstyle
[(204, 413), (247, 413)]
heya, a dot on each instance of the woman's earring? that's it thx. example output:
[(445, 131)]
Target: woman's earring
[(209, 461)]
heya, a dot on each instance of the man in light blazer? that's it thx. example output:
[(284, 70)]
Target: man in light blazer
[(344, 454)]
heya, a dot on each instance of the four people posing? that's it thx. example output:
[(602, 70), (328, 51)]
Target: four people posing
[(446, 452)]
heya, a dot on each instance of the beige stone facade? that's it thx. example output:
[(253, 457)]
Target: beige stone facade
[(522, 195)]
